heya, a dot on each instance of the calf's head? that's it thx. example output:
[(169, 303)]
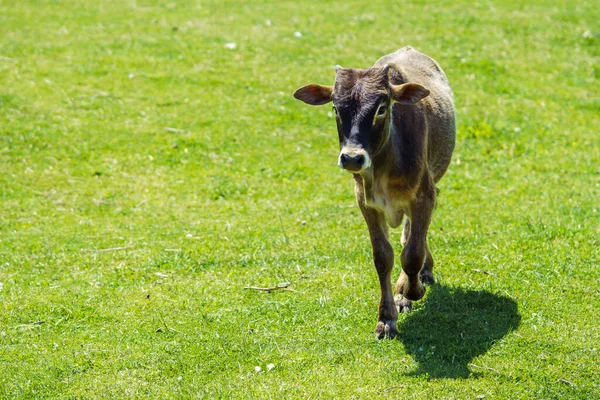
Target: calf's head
[(362, 104)]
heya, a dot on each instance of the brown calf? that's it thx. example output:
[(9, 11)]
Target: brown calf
[(396, 128)]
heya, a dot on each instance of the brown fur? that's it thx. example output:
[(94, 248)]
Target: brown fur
[(409, 147)]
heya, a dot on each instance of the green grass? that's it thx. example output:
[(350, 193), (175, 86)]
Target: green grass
[(128, 125)]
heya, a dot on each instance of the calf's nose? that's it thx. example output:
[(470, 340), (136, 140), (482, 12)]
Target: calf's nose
[(352, 162)]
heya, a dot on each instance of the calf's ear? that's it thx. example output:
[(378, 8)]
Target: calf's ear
[(314, 95), (409, 93)]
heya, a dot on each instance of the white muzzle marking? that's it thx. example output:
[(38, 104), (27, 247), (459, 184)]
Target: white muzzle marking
[(354, 159)]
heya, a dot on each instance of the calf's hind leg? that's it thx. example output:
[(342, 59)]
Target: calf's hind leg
[(427, 270)]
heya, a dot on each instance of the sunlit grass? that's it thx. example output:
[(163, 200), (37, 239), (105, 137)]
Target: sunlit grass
[(150, 172)]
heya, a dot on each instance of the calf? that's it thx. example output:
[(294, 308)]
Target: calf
[(396, 128)]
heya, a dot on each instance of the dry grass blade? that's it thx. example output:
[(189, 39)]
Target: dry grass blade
[(481, 271), (484, 367), (109, 249), (279, 286), (566, 382)]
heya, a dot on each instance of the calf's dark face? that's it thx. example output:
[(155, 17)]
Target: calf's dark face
[(362, 100)]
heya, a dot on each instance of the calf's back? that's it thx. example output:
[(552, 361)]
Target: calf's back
[(408, 65)]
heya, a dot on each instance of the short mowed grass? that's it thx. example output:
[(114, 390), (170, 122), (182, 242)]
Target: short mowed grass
[(153, 164)]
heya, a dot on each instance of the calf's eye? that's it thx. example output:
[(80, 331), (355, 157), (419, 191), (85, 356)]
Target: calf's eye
[(382, 109)]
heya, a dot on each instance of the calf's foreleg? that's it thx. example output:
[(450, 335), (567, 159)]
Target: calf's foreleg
[(383, 257), (416, 258)]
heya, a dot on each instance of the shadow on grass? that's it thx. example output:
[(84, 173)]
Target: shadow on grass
[(453, 327)]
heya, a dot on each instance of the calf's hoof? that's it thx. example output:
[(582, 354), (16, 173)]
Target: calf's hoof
[(403, 304), (427, 277), (386, 330)]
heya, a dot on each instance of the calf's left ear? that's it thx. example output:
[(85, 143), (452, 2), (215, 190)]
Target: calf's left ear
[(314, 95), (409, 93)]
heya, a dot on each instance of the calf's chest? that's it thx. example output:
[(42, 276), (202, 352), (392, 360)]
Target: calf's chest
[(384, 196)]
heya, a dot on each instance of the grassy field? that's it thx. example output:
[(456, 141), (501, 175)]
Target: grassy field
[(153, 163)]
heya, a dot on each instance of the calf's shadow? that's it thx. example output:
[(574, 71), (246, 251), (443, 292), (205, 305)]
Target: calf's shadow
[(454, 326)]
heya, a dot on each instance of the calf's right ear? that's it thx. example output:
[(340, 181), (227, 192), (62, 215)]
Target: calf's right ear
[(315, 95)]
